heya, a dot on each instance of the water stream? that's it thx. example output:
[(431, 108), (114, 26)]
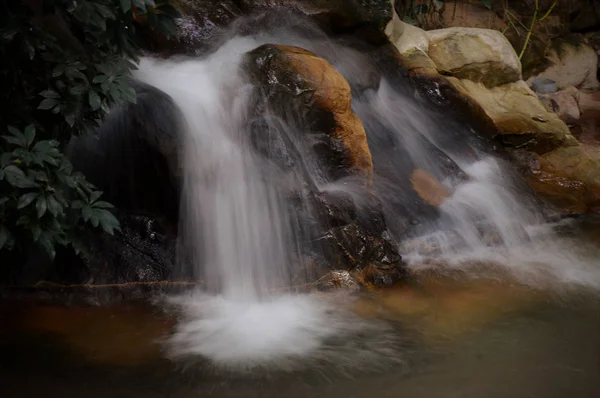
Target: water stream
[(240, 236)]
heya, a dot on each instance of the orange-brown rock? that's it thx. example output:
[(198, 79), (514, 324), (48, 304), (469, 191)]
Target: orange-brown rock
[(429, 188), (566, 177), (301, 77)]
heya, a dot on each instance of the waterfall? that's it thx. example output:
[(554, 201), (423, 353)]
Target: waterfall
[(240, 236)]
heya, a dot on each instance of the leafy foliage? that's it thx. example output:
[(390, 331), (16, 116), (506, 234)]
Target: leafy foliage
[(33, 205), (63, 65)]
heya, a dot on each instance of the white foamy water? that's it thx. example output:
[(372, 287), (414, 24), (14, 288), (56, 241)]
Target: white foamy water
[(283, 333), (488, 221)]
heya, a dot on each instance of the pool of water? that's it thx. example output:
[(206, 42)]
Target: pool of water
[(460, 334)]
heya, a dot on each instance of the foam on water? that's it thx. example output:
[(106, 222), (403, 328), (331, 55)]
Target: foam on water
[(285, 333)]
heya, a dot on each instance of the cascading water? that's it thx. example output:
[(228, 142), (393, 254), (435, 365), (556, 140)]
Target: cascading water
[(488, 220), (239, 234)]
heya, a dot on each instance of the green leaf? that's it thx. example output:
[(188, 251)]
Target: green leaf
[(70, 119), (126, 5), (3, 200), (130, 95), (17, 178), (86, 212), (48, 103), (107, 220), (5, 158), (4, 235), (26, 199), (41, 205), (54, 207), (29, 134), (22, 141), (78, 204), (100, 79), (36, 231), (50, 94), (94, 100), (78, 90), (58, 71), (13, 140), (94, 196), (47, 245), (102, 205)]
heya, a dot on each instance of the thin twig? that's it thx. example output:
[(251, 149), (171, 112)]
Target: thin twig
[(533, 21)]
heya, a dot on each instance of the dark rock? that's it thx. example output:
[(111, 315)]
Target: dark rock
[(303, 123), (143, 251), (134, 156), (336, 15), (204, 23), (313, 101)]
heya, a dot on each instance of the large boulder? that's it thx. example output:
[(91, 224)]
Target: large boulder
[(307, 127), (320, 97), (520, 119), (480, 55), (567, 177)]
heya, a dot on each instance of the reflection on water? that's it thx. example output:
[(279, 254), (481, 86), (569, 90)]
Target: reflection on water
[(464, 337)]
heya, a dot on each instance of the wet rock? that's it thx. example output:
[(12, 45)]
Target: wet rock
[(510, 114), (125, 264), (144, 251), (315, 99), (567, 178), (204, 22), (381, 275), (429, 188), (520, 119), (337, 279), (304, 124)]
